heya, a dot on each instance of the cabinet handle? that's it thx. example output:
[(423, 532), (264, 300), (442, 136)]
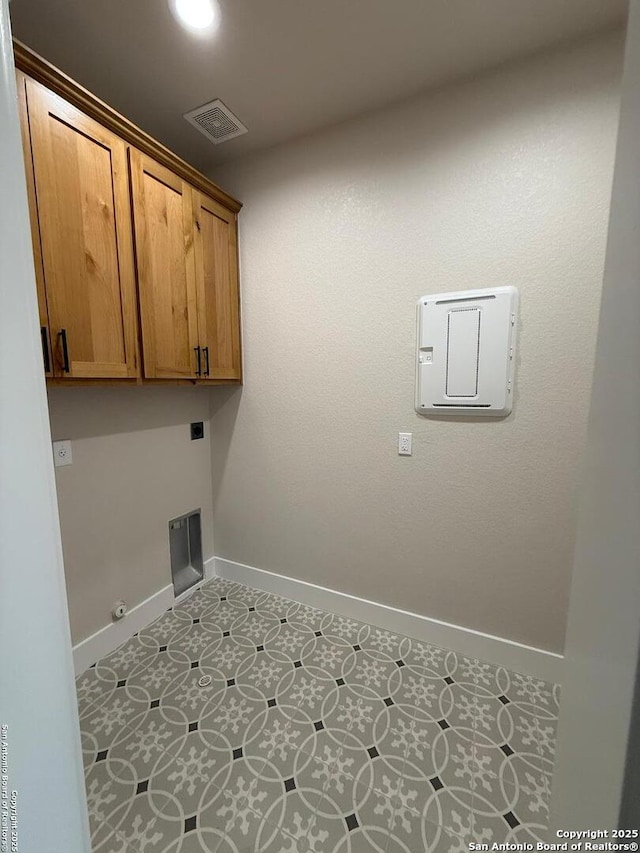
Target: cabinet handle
[(45, 349), (65, 350), (198, 361), (205, 350)]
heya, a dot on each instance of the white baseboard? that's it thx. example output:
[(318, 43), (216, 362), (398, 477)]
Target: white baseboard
[(497, 650), (107, 639)]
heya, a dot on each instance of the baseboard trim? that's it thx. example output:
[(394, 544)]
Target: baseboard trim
[(107, 639), (466, 641)]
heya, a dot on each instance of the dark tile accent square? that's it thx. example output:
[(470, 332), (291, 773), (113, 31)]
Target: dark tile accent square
[(289, 784), (448, 679), (504, 700), (226, 633), (318, 725), (388, 701), (444, 725), (162, 649), (352, 822), (297, 664), (191, 823), (282, 621), (93, 666), (506, 749), (155, 703), (318, 633), (511, 819), (259, 648), (373, 752), (271, 703), (122, 682), (357, 648), (196, 621), (223, 598), (237, 753), (195, 664), (231, 682), (101, 755), (399, 663), (339, 681), (436, 783), (142, 787), (252, 610)]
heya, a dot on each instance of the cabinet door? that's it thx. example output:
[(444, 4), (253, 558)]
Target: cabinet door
[(82, 196), (217, 288), (166, 273), (21, 82)]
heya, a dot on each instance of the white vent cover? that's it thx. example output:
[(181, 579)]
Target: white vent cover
[(216, 121), (466, 352)]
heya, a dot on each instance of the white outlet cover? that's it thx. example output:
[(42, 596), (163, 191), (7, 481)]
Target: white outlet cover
[(62, 453), (404, 443)]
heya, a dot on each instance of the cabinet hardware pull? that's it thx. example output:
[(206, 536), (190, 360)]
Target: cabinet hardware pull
[(205, 350), (65, 350), (198, 361), (45, 349)]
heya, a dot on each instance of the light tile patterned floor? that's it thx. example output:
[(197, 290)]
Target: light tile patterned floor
[(316, 733)]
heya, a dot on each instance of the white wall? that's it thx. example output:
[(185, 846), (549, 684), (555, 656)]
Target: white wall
[(134, 468), (603, 635), (37, 692), (504, 179)]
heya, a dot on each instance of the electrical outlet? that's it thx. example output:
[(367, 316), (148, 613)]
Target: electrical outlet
[(62, 453), (404, 443), (197, 430)]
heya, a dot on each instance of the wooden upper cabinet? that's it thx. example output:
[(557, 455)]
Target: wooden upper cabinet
[(84, 222), (216, 265), (136, 252), (166, 271), (186, 250)]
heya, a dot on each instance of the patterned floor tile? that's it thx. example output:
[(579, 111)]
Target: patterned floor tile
[(341, 627), (310, 732), (334, 657), (253, 834), (301, 614), (93, 687), (105, 725), (372, 676), (430, 661), (105, 840), (351, 816)]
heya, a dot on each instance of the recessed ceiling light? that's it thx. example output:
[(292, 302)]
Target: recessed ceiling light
[(197, 15)]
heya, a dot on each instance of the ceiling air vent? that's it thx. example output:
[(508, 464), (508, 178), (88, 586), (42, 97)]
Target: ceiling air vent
[(216, 121)]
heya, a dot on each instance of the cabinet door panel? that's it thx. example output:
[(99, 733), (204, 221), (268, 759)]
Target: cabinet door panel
[(43, 311), (85, 226), (164, 249), (217, 287)]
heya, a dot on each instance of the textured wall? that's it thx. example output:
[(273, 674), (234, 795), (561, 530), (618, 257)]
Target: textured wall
[(501, 180), (134, 468)]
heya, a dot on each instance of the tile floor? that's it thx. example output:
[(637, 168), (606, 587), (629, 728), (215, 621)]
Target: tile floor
[(315, 733)]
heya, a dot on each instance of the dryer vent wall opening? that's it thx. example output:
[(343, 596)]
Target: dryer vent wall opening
[(185, 547)]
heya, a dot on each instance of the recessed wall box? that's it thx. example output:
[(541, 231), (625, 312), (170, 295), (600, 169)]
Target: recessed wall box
[(466, 352), (185, 549)]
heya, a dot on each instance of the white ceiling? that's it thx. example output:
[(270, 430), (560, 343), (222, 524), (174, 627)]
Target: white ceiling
[(287, 67)]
